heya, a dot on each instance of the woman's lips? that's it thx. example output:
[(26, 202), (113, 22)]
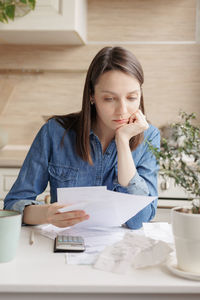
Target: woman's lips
[(124, 121)]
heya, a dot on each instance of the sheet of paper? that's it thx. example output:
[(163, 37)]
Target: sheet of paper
[(106, 208), (73, 195), (149, 246), (133, 251), (96, 239), (159, 231)]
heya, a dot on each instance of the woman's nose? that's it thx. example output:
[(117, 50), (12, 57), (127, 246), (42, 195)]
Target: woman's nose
[(121, 107)]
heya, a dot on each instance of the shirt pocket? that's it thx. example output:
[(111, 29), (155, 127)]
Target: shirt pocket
[(62, 176)]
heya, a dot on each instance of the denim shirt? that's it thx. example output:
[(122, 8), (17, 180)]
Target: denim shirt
[(49, 161)]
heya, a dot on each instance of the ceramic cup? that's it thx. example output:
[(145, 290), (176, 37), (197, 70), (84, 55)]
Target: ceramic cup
[(186, 230), (10, 227)]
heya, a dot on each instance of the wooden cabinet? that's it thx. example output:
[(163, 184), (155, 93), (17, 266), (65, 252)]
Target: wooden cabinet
[(168, 190), (53, 22), (7, 179)]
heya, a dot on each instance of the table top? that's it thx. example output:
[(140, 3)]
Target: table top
[(37, 269)]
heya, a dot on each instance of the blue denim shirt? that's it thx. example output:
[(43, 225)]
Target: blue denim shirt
[(47, 161)]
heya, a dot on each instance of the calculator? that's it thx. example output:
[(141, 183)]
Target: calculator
[(69, 243)]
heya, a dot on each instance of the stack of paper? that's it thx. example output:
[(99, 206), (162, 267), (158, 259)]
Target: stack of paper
[(106, 208)]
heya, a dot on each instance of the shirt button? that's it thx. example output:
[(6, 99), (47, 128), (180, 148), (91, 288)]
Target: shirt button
[(107, 153)]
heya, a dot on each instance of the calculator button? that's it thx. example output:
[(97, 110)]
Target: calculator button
[(60, 239), (65, 239)]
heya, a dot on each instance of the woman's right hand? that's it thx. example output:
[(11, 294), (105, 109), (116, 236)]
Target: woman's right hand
[(64, 219)]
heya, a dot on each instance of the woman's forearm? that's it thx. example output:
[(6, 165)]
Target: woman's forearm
[(126, 166), (50, 214), (35, 214)]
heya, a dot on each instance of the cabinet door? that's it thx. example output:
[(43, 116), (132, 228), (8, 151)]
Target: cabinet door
[(168, 189), (53, 22)]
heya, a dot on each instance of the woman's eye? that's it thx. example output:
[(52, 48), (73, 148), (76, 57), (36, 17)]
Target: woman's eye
[(108, 98), (132, 98)]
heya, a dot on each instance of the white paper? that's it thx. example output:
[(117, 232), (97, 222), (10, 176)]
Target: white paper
[(106, 208), (72, 195), (161, 231), (133, 251), (49, 230), (96, 239)]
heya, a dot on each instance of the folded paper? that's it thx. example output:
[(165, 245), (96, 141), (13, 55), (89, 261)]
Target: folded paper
[(133, 251)]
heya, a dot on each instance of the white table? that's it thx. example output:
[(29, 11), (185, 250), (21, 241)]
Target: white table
[(38, 273)]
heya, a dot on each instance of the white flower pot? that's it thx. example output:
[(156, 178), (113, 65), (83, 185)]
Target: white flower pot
[(186, 230)]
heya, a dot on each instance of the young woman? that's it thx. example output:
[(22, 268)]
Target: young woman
[(103, 144)]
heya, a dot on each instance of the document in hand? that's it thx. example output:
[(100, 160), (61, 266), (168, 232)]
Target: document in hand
[(106, 208)]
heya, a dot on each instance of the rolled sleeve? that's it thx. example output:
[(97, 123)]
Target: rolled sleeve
[(136, 186), (21, 204)]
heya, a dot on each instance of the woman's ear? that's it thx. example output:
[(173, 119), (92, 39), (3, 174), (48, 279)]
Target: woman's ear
[(91, 100)]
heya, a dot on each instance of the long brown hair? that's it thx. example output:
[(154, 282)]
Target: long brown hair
[(107, 59)]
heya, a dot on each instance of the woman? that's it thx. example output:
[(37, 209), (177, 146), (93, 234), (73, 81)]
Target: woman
[(103, 144)]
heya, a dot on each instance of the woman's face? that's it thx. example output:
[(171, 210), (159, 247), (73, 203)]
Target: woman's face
[(116, 97)]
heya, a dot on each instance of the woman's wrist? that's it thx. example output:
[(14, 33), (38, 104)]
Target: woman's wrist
[(121, 140), (36, 214)]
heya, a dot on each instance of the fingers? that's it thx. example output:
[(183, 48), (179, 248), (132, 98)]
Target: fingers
[(138, 114), (70, 215), (136, 125), (141, 118), (55, 206), (64, 219), (132, 118), (70, 222)]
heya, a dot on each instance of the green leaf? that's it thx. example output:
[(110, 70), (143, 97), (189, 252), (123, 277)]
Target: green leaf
[(10, 11), (32, 3), (8, 2), (7, 8), (185, 141), (4, 18)]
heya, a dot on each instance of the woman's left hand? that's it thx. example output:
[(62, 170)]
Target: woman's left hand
[(136, 125)]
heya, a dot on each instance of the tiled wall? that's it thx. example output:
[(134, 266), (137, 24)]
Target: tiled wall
[(37, 81)]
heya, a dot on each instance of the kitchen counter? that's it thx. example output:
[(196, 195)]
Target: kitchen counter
[(39, 273)]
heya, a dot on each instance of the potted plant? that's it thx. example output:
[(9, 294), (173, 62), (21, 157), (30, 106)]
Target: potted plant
[(179, 158), (9, 9)]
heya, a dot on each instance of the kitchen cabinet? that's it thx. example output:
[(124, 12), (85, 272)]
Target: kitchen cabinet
[(53, 22), (167, 189), (170, 195), (7, 178)]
